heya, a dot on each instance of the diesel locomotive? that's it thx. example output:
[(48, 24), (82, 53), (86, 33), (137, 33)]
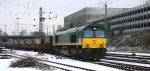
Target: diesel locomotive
[(86, 42)]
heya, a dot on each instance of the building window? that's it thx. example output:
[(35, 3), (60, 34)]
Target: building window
[(135, 26), (142, 17), (145, 24), (139, 18), (142, 10), (145, 9), (148, 16), (149, 24), (139, 11), (141, 25), (71, 25), (145, 17), (148, 8)]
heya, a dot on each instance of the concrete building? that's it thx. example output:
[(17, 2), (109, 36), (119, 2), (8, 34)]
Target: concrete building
[(86, 15), (131, 20), (122, 21), (128, 20)]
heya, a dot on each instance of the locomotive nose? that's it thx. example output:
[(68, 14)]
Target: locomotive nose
[(94, 43)]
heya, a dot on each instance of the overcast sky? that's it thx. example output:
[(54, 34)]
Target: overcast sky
[(28, 11)]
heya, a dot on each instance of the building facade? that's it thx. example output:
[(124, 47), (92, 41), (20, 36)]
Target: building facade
[(128, 20), (131, 20), (121, 21), (86, 15)]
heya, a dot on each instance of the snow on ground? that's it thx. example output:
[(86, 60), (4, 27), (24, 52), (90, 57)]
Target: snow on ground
[(4, 66), (66, 61)]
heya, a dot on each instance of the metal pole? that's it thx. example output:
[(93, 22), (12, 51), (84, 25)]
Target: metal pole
[(40, 21), (5, 29), (17, 26), (40, 28), (47, 30), (26, 30), (106, 21), (41, 34), (12, 33), (18, 32), (53, 29), (15, 29)]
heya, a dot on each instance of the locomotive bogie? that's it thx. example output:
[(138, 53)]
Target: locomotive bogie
[(95, 53)]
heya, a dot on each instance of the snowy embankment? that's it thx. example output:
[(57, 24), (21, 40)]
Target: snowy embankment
[(133, 42), (53, 58)]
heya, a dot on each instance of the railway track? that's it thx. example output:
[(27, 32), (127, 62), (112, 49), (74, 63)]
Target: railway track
[(128, 62), (131, 55), (122, 66), (129, 58), (143, 61), (61, 66), (3, 55)]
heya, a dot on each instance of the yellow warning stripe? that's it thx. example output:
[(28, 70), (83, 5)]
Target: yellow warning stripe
[(68, 44)]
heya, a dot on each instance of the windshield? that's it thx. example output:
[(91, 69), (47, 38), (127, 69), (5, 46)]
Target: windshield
[(100, 34), (88, 33)]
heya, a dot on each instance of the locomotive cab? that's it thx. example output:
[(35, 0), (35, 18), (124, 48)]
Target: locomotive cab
[(94, 42), (94, 39)]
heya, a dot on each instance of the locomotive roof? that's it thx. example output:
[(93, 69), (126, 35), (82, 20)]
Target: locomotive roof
[(73, 29)]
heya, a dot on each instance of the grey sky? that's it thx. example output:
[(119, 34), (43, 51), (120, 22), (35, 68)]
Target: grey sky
[(28, 10)]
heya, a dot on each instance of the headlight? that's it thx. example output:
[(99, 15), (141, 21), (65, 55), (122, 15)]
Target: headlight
[(86, 45), (101, 45)]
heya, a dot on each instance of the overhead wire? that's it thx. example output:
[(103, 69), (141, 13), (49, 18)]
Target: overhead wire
[(73, 7), (69, 4), (17, 7)]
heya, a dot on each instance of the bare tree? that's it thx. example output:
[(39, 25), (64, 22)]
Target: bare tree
[(23, 33), (59, 28), (37, 33)]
